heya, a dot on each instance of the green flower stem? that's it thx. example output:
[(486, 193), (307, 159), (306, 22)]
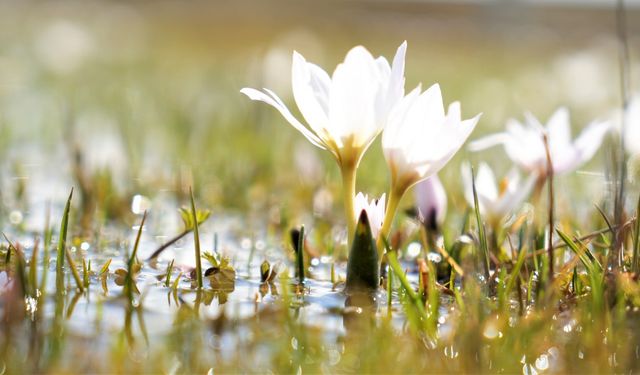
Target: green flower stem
[(348, 195), (395, 196)]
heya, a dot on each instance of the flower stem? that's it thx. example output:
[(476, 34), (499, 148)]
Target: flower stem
[(395, 195), (348, 194)]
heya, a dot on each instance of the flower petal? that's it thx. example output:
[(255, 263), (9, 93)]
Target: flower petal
[(585, 146), (311, 85), (354, 87), (275, 102), (488, 142)]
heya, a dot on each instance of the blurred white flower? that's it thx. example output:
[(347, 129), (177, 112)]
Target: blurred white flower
[(375, 211), (496, 202), (524, 143), (347, 111), (632, 127), (63, 46), (431, 200), (420, 138)]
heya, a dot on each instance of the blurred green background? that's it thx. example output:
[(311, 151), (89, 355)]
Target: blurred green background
[(143, 97)]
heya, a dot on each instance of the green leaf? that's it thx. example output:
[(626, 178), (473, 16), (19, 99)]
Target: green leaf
[(188, 218), (196, 237), (62, 242), (362, 267)]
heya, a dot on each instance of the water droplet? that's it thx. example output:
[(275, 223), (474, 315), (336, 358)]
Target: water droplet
[(527, 369), (542, 363), (139, 204), (245, 243), (491, 331), (413, 250), (15, 217), (434, 257)]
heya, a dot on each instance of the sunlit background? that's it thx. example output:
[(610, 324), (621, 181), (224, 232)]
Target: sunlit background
[(142, 99)]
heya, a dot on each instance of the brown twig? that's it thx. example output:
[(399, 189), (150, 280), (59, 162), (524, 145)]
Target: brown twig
[(167, 244)]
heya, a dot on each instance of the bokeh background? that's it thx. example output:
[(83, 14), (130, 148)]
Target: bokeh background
[(125, 99)]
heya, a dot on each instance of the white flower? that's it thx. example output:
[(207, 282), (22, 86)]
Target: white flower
[(632, 127), (431, 200), (524, 143), (347, 111), (420, 138), (374, 208), (493, 201)]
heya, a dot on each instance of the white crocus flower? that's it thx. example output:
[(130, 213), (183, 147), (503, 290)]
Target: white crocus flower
[(419, 140), (632, 127), (431, 200), (374, 209), (524, 143), (344, 112), (496, 201)]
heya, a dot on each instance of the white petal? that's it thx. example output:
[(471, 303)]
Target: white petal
[(559, 128), (395, 89), (431, 199), (513, 198), (392, 135), (486, 183), (275, 102), (354, 87), (488, 142), (467, 181), (311, 86), (632, 127), (585, 146)]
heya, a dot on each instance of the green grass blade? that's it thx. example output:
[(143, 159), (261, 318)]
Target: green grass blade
[(196, 240), (129, 283), (300, 255), (45, 256), (62, 243), (74, 271), (589, 261), (482, 237), (33, 268)]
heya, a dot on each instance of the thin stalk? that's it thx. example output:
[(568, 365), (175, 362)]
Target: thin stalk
[(300, 255), (196, 238), (348, 194), (46, 245), (33, 276), (636, 240), (74, 271), (551, 205), (481, 233), (406, 285), (621, 24), (389, 290), (168, 243), (129, 278), (62, 242), (395, 195), (167, 281)]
